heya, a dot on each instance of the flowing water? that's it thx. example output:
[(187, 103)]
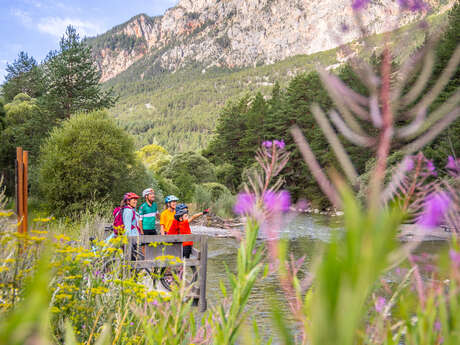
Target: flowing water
[(306, 234)]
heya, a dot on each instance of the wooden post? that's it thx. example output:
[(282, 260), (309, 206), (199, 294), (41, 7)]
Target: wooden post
[(203, 268), (20, 188), (22, 166), (25, 185)]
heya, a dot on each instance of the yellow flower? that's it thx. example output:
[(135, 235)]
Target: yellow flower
[(6, 214), (99, 290), (44, 220), (63, 296), (4, 269), (39, 231)]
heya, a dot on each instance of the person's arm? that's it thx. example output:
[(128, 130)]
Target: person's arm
[(141, 216), (195, 216), (162, 224), (128, 219)]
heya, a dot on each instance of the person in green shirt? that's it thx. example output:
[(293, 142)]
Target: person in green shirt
[(148, 213)]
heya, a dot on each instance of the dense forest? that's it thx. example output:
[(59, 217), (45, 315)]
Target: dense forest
[(179, 110), (175, 121), (244, 124)]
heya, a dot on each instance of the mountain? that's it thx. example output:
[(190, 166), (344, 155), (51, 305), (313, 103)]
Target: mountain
[(173, 72), (236, 33)]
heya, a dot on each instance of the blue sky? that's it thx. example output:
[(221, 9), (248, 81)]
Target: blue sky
[(35, 26)]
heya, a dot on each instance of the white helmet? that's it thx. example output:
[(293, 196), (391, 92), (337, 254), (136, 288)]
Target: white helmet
[(147, 192)]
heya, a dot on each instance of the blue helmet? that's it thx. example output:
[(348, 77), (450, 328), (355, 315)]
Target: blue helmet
[(170, 198), (181, 209)]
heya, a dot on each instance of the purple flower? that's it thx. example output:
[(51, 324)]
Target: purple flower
[(380, 304), (279, 143), (244, 203), (277, 202), (359, 4), (344, 27), (437, 326), (430, 167), (455, 257), (267, 144), (435, 207), (408, 164), (413, 5), (453, 166)]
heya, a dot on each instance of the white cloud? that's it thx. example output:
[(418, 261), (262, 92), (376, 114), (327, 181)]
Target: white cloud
[(23, 16), (56, 26)]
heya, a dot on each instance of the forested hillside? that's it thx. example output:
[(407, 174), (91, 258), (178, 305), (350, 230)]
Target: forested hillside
[(245, 123), (179, 110)]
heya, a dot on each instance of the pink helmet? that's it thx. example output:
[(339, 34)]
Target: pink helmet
[(129, 196)]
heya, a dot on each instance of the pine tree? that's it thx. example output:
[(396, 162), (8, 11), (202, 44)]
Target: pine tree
[(23, 76), (72, 79)]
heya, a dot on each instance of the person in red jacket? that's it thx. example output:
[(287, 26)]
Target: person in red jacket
[(181, 226)]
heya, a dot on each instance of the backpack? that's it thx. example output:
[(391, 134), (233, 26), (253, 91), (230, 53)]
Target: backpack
[(118, 220)]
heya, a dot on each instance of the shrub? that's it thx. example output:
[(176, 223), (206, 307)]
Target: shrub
[(88, 158), (193, 164), (223, 207), (216, 196), (201, 196), (216, 190)]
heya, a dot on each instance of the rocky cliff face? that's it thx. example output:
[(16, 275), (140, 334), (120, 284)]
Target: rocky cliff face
[(237, 33)]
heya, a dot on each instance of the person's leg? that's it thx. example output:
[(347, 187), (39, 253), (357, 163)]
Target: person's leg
[(187, 251)]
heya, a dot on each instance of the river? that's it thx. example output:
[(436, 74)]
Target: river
[(305, 234)]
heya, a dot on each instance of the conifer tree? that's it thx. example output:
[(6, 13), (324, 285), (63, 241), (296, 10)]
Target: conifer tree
[(23, 76), (72, 79)]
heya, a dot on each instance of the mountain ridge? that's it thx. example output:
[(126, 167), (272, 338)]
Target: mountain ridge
[(236, 34)]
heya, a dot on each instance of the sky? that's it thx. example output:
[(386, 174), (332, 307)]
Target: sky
[(35, 26)]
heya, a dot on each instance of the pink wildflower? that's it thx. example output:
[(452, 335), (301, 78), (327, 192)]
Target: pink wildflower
[(380, 304), (435, 207), (359, 4), (244, 204), (277, 202)]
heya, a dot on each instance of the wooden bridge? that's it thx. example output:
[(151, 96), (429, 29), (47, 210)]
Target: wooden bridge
[(156, 247)]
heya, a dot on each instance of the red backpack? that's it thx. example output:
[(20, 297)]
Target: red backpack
[(118, 220)]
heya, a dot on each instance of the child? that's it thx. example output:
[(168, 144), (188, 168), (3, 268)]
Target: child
[(181, 226)]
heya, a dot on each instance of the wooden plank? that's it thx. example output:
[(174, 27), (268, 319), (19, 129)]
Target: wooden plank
[(25, 185), (158, 263), (203, 271), (168, 238), (20, 189)]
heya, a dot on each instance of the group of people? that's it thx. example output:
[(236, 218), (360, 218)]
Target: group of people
[(174, 220)]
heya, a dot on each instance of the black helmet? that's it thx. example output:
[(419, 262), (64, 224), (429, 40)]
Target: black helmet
[(181, 209)]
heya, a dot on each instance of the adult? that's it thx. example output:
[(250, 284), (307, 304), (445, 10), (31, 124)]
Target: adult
[(167, 216), (130, 215), (148, 213)]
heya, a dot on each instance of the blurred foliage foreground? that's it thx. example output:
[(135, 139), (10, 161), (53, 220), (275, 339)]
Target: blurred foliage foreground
[(364, 287)]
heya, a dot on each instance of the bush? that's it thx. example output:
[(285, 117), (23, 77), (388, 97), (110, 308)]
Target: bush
[(190, 163), (202, 196), (227, 175), (223, 207), (216, 196), (88, 158)]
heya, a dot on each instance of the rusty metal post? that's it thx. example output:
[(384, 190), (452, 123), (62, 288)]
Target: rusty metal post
[(20, 188)]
